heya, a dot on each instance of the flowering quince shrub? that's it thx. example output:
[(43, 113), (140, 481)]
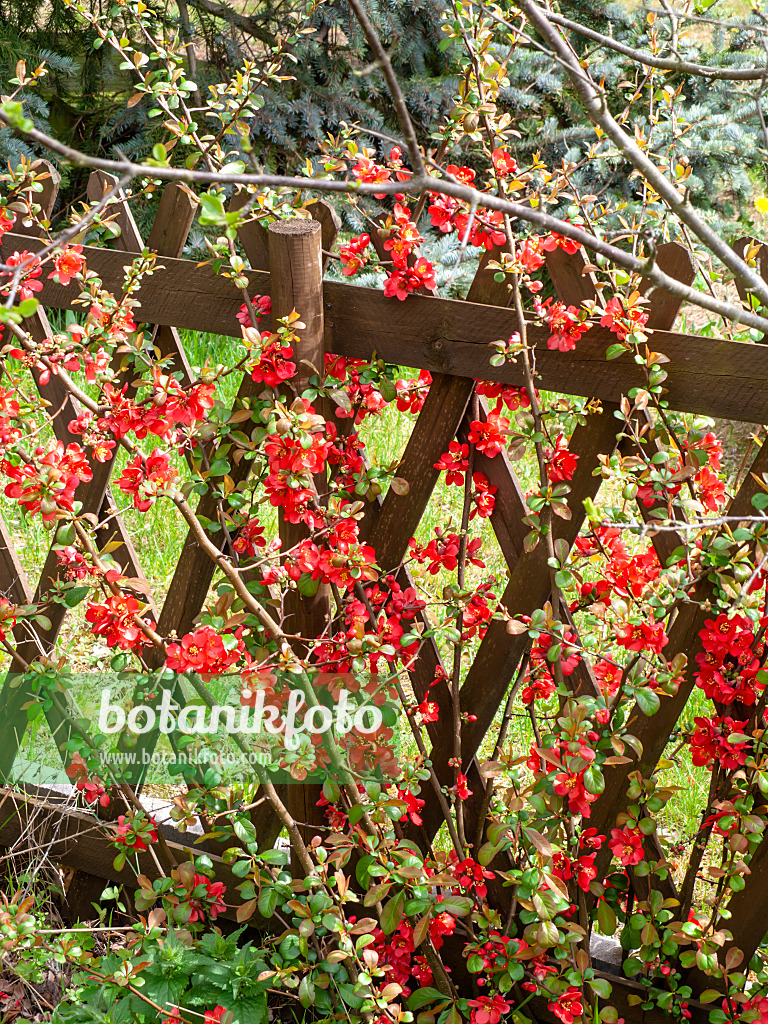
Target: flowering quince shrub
[(439, 888)]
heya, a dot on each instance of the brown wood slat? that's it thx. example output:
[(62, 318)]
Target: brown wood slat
[(76, 840), (192, 577), (296, 275), (389, 528), (435, 428), (528, 589), (14, 584), (654, 732), (675, 261), (707, 376)]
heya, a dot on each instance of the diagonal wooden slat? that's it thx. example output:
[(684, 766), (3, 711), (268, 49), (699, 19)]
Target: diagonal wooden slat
[(528, 589), (654, 732)]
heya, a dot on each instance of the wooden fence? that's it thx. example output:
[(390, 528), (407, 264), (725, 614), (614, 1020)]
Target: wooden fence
[(451, 339)]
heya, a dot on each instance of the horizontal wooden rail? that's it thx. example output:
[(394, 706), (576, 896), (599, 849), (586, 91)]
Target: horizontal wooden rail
[(76, 839), (708, 376)]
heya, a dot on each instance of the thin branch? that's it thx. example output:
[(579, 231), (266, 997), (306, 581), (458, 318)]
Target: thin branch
[(465, 193), (594, 101)]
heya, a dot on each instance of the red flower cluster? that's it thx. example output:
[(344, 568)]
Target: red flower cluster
[(116, 621), (490, 437), (624, 316), (274, 364), (641, 636), (205, 652), (728, 666), (249, 537), (411, 394), (354, 255), (28, 283), (711, 742), (398, 953), (47, 483), (262, 306), (567, 324), (401, 282), (144, 479), (443, 552), (627, 845)]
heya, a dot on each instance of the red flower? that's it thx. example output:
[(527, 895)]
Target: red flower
[(641, 636), (7, 616), (404, 280), (353, 254), (623, 320), (68, 263), (206, 898), (413, 806), (710, 742), (568, 1006), (711, 489), (454, 462), (249, 537), (116, 621), (463, 792), (216, 1015), (262, 306), (561, 461), (572, 785), (488, 1009), (274, 365), (205, 652), (442, 210), (627, 845), (428, 711), (28, 284), (565, 322), (483, 497), (490, 436), (503, 163), (486, 231), (144, 479), (7, 220)]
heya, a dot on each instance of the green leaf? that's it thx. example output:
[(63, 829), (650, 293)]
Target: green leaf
[(601, 987), (459, 906), (648, 701), (392, 913), (267, 901), (422, 996), (244, 830), (606, 918), (73, 597)]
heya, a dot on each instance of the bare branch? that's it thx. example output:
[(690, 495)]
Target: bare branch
[(663, 63), (593, 99), (403, 117), (543, 221)]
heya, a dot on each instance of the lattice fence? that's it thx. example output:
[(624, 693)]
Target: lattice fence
[(451, 339)]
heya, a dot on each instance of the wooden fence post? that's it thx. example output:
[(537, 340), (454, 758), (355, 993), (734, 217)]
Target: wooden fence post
[(296, 282)]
